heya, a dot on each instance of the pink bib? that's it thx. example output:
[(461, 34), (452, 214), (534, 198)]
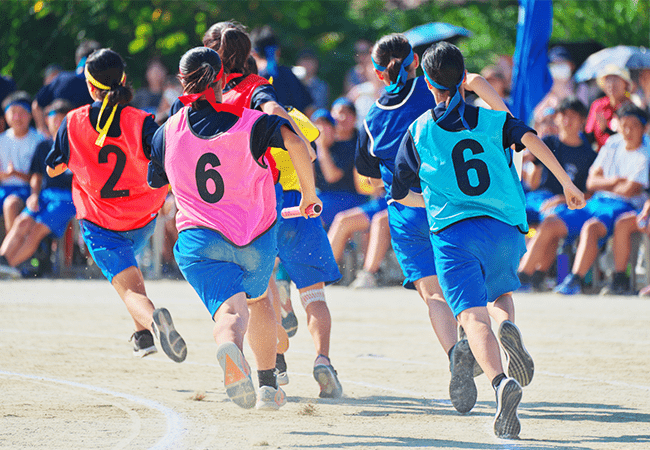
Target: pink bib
[(217, 182)]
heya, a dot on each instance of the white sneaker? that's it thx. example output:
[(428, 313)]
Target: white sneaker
[(270, 399), (506, 422), (9, 272), (282, 378), (237, 375), (364, 280)]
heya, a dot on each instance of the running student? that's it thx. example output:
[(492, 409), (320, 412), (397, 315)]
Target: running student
[(106, 146), (405, 99), (303, 247), (477, 216), (212, 155)]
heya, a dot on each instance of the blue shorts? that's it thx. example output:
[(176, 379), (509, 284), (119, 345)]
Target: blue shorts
[(217, 270), (55, 209), (336, 201), (21, 191), (374, 206), (304, 249), (477, 261), (409, 233), (114, 251), (534, 200)]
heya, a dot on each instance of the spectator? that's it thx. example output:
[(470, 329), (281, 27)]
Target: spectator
[(561, 66), (318, 89), (335, 164), (49, 207), (7, 86), (496, 78), (148, 98), (17, 147), (621, 171), (358, 74), (172, 90), (642, 95), (617, 176), (616, 84), (266, 51), (365, 94), (69, 86)]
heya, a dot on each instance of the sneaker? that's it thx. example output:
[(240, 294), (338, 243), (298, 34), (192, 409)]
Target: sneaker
[(171, 342), (620, 285), (506, 422), (289, 319), (571, 285), (143, 344), (237, 375), (281, 370), (478, 370), (327, 378), (520, 363), (462, 390), (364, 280), (269, 398), (8, 272)]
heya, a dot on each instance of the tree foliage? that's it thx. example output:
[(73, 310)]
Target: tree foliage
[(38, 33)]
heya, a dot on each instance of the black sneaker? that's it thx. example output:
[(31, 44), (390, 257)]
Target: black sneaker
[(172, 343), (520, 363), (478, 370), (462, 389), (327, 379), (506, 422), (143, 344)]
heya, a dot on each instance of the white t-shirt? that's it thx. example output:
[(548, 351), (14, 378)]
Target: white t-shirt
[(18, 152), (634, 165)]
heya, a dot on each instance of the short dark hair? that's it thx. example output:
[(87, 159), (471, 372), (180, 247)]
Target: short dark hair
[(17, 96), (59, 106), (444, 63), (573, 104), (263, 37), (85, 49), (630, 109)]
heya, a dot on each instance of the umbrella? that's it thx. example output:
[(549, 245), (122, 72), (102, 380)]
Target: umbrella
[(423, 36), (620, 56)]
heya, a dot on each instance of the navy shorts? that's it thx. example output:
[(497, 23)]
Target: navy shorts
[(114, 251), (409, 233), (477, 261), (303, 247)]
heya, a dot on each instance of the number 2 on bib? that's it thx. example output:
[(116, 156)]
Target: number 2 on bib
[(463, 166), (205, 176)]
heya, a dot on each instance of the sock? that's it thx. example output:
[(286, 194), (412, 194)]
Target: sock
[(267, 378), (142, 332), (497, 380), (538, 278), (524, 278), (280, 363), (3, 261), (620, 279)]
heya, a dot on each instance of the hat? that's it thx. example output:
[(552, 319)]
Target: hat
[(322, 113), (612, 69), (345, 102), (559, 53)]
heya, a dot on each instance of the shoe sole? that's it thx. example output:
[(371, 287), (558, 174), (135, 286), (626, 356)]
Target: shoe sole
[(478, 370), (506, 422), (520, 364), (142, 352), (330, 387), (462, 389), (290, 324), (237, 379), (171, 342), (279, 400), (282, 378)]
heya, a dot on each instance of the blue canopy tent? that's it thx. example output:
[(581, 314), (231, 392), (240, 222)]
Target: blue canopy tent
[(422, 36)]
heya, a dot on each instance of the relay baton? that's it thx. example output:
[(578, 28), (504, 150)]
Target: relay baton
[(294, 211)]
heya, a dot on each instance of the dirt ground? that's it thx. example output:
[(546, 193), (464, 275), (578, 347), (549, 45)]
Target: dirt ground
[(68, 380)]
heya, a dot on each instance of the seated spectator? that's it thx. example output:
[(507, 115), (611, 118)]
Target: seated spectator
[(318, 89), (497, 80), (334, 165), (561, 66), (70, 86), (266, 51), (618, 177), (148, 98), (601, 121), (358, 74), (626, 225), (642, 95), (572, 151), (172, 90), (17, 147), (7, 86), (49, 207)]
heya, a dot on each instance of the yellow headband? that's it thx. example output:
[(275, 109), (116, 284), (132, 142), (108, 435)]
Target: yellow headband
[(103, 131), (99, 85)]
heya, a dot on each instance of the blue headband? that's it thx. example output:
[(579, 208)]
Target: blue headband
[(24, 103), (643, 120), (401, 78), (271, 63), (456, 99)]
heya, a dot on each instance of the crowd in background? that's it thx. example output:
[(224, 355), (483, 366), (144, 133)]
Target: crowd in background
[(597, 130)]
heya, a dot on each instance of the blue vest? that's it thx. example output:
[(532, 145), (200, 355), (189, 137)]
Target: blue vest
[(387, 125), (468, 173)]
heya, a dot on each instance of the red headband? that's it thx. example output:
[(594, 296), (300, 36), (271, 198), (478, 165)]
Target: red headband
[(210, 96)]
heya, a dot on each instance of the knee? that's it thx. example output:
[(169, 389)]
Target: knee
[(593, 228), (626, 224), (552, 226), (13, 203)]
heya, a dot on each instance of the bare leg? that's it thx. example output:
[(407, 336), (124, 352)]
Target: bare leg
[(129, 284), (441, 317), (345, 224), (625, 226), (23, 239), (483, 343), (378, 243), (231, 320), (11, 208), (262, 332), (542, 250), (587, 252), (319, 320)]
